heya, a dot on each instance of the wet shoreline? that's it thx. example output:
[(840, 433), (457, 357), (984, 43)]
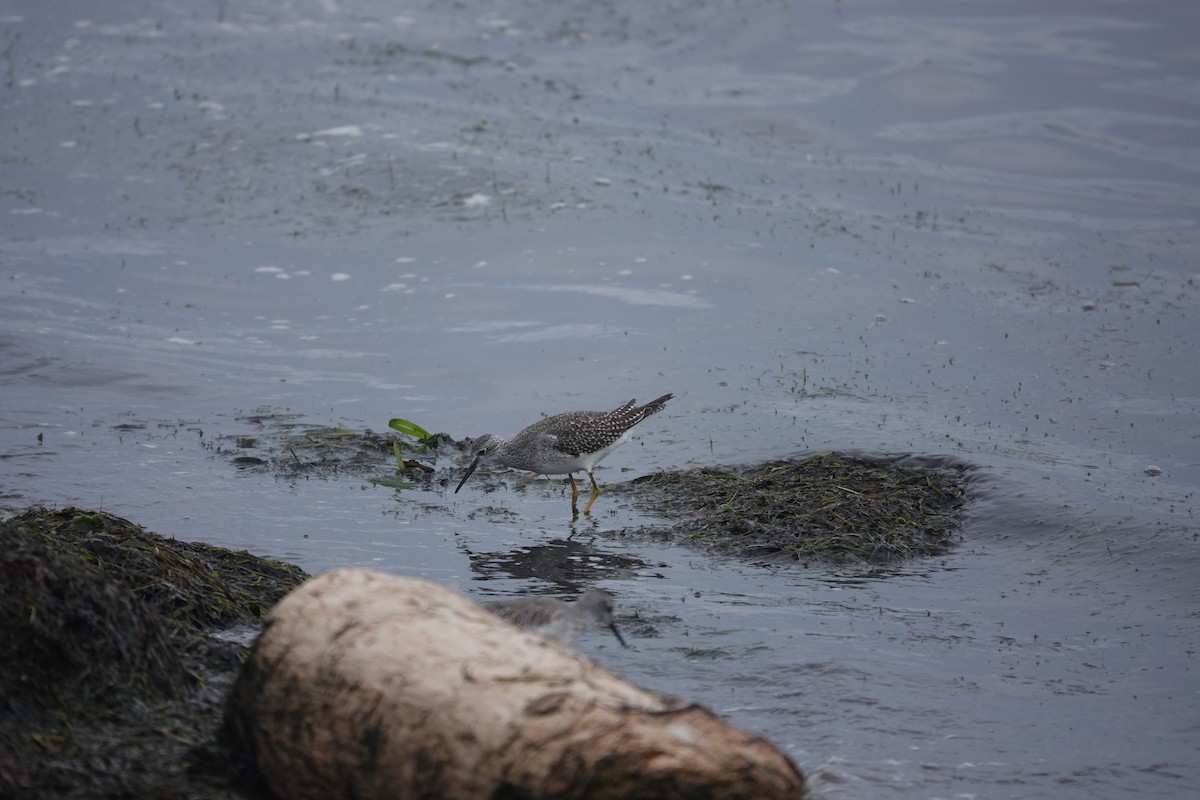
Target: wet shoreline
[(76, 655)]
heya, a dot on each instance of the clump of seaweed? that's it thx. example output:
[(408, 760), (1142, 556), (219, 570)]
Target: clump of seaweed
[(826, 507), (195, 587), (110, 685), (72, 630)]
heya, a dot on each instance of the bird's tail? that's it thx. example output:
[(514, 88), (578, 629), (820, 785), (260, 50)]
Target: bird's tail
[(654, 406)]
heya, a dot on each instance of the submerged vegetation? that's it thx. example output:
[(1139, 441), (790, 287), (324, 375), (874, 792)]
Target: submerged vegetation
[(826, 507)]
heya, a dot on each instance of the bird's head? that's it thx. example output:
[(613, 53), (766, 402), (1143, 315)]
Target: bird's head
[(481, 448)]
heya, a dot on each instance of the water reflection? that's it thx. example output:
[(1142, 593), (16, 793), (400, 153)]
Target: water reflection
[(558, 566)]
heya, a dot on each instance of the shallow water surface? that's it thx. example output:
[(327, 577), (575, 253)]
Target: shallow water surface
[(964, 231)]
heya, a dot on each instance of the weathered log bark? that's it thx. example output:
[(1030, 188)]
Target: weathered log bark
[(365, 685)]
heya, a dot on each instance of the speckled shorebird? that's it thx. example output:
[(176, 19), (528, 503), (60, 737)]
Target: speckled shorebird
[(564, 443), (559, 619)]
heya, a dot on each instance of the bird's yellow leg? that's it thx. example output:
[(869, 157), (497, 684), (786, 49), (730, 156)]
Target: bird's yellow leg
[(595, 494), (574, 490)]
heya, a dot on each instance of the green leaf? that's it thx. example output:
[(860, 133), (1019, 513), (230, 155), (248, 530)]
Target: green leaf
[(409, 429), (394, 483)]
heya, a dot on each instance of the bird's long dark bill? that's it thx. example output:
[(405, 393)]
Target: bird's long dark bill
[(470, 469), (617, 634)]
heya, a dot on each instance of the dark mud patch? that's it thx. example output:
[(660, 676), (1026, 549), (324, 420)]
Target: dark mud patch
[(111, 682), (828, 507), (283, 444)]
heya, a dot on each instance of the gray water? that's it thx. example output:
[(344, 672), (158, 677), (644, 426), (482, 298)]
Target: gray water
[(964, 231)]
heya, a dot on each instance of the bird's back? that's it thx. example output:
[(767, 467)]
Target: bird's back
[(564, 443)]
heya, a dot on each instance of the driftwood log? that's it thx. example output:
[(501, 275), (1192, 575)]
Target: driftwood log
[(366, 685)]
